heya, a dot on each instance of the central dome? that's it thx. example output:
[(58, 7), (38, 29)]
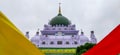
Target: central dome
[(59, 20)]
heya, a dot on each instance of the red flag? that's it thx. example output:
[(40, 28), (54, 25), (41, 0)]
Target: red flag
[(110, 45)]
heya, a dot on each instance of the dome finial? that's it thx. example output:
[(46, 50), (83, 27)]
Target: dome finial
[(59, 9), (82, 32)]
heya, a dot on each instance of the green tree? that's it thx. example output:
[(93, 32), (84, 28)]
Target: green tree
[(83, 48)]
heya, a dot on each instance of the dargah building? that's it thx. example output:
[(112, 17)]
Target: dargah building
[(60, 37)]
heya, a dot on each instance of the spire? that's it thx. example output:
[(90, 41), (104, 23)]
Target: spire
[(93, 38), (92, 32), (27, 34), (82, 33), (37, 33), (59, 9)]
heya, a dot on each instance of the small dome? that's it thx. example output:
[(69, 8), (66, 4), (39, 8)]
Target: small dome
[(83, 38), (35, 39), (59, 20)]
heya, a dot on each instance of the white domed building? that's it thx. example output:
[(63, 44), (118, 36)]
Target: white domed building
[(60, 37)]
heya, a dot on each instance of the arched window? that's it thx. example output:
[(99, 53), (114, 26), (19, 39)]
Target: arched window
[(59, 42), (75, 42), (53, 28), (52, 42), (65, 28), (59, 28), (67, 42), (63, 34), (43, 42), (72, 28)]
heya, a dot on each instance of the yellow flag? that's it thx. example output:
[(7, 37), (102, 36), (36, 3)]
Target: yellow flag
[(13, 42)]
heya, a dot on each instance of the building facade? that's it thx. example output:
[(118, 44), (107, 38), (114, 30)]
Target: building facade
[(60, 37)]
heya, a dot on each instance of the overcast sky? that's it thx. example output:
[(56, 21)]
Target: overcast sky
[(102, 16)]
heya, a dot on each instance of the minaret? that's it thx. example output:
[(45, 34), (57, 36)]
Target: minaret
[(82, 33), (37, 33), (83, 38), (93, 38), (27, 34)]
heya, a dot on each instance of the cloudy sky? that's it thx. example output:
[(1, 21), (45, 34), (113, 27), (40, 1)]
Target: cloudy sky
[(102, 16)]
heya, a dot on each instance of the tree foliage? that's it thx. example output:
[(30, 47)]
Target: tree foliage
[(83, 48)]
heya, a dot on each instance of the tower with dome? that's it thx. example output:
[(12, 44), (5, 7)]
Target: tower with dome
[(60, 37)]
